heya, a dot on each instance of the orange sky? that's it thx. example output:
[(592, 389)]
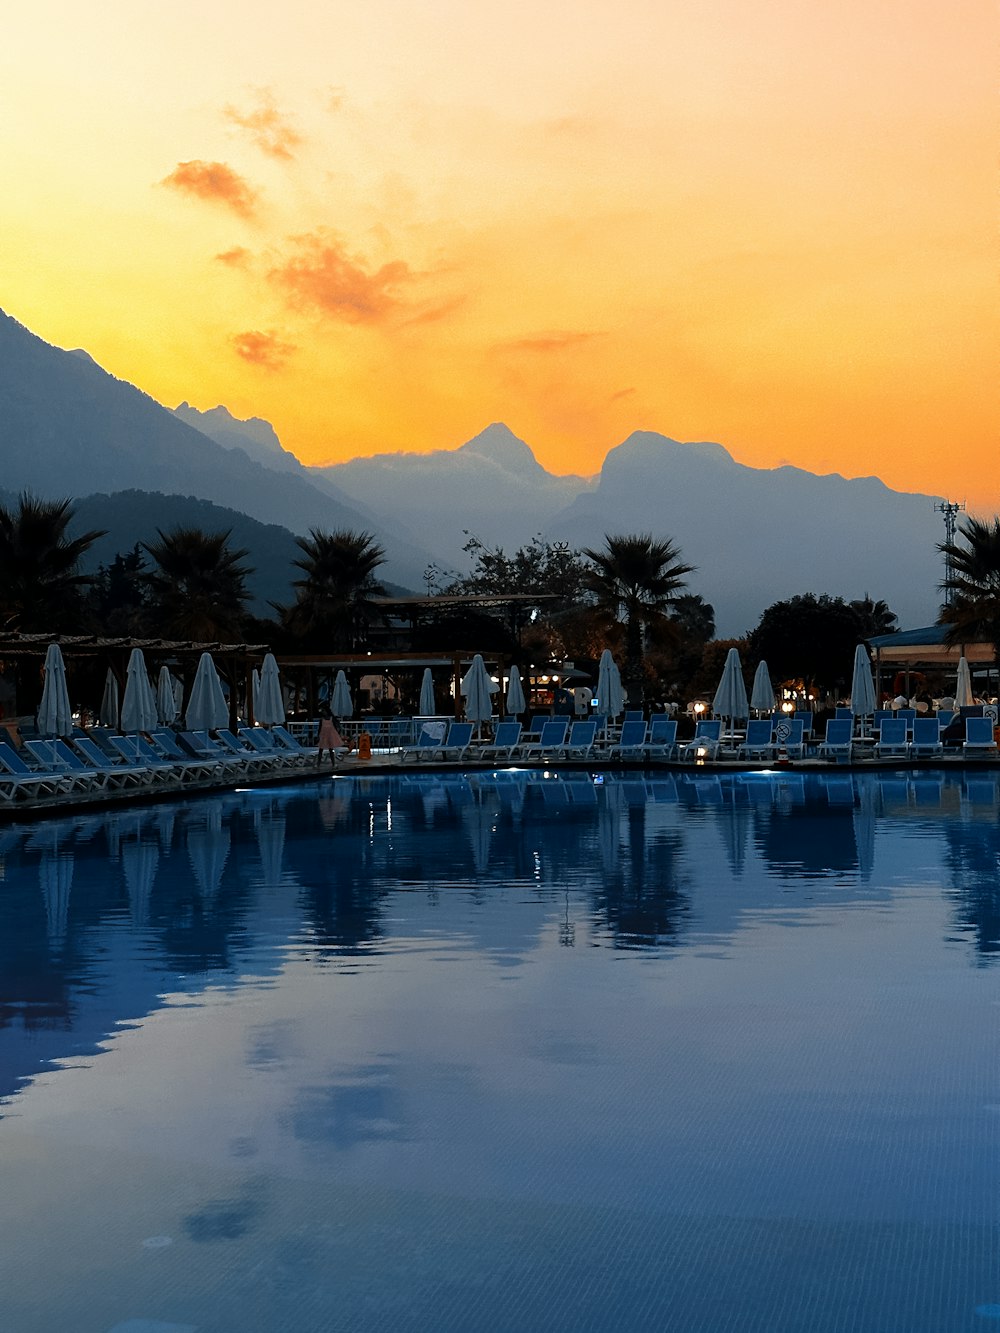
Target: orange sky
[(771, 225)]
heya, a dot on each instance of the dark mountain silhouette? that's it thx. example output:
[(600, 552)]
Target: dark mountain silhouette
[(492, 486), (131, 517), (759, 535), (755, 535), (69, 428)]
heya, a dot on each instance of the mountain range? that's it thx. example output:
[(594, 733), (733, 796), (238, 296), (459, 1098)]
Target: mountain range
[(755, 535)]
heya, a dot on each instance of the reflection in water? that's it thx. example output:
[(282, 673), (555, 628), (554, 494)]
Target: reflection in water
[(655, 993)]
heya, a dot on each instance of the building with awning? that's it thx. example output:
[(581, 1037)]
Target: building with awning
[(919, 650)]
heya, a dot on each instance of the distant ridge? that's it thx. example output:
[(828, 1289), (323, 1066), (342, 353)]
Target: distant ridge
[(67, 427), (755, 535)]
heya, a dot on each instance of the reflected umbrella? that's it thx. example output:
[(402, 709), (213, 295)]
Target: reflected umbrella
[(55, 878), (139, 865), (208, 851), (269, 827)]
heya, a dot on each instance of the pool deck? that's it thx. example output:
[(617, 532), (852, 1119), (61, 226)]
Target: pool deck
[(389, 763)]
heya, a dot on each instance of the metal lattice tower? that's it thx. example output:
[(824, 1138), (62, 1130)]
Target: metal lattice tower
[(951, 510)]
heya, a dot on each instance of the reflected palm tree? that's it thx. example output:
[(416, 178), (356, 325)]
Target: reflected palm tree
[(642, 900)]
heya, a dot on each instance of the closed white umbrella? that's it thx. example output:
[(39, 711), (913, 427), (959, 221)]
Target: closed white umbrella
[(108, 716), (341, 704), (762, 694), (731, 697), (206, 708), (255, 689), (478, 689), (516, 702), (139, 703), (166, 703), (55, 718), (269, 709), (862, 685), (427, 703), (610, 695), (964, 697)]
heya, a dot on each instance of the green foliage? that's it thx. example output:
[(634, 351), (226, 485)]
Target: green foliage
[(120, 594), (810, 638), (548, 569), (41, 587), (198, 589), (333, 607), (974, 584)]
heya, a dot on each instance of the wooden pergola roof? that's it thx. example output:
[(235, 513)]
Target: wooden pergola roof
[(35, 645)]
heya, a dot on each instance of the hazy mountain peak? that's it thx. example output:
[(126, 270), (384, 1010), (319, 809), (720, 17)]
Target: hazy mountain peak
[(255, 436), (499, 444), (650, 443)]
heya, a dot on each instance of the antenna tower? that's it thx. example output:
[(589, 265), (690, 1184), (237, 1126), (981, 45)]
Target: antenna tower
[(951, 510)]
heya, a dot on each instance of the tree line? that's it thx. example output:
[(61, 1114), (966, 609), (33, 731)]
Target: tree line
[(630, 595)]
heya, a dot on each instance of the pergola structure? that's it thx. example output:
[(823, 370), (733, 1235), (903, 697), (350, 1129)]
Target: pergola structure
[(234, 660), (304, 670), (915, 649)]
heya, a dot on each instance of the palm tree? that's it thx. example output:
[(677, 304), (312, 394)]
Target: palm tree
[(635, 579), (41, 587), (973, 584), (198, 589), (876, 618), (333, 606)]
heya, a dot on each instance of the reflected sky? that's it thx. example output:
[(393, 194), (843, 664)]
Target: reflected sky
[(418, 1052)]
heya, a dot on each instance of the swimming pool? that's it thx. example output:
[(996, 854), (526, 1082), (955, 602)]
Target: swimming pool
[(506, 1051)]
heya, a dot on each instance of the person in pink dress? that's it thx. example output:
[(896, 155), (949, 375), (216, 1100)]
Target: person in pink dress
[(329, 740)]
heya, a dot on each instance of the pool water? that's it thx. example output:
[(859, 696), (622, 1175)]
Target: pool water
[(506, 1051)]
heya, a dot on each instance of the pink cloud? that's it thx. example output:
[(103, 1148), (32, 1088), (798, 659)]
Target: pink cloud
[(270, 130), (215, 182), (547, 342), (323, 275), (265, 350)]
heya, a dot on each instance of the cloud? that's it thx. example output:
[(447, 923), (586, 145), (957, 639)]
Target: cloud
[(237, 257), (323, 275), (270, 130), (546, 342), (622, 393), (334, 98), (432, 314), (215, 182), (265, 350)]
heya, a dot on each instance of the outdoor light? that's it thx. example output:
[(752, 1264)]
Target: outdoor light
[(788, 708), (699, 708)]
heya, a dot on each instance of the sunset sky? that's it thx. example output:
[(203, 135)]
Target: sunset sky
[(384, 226)]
